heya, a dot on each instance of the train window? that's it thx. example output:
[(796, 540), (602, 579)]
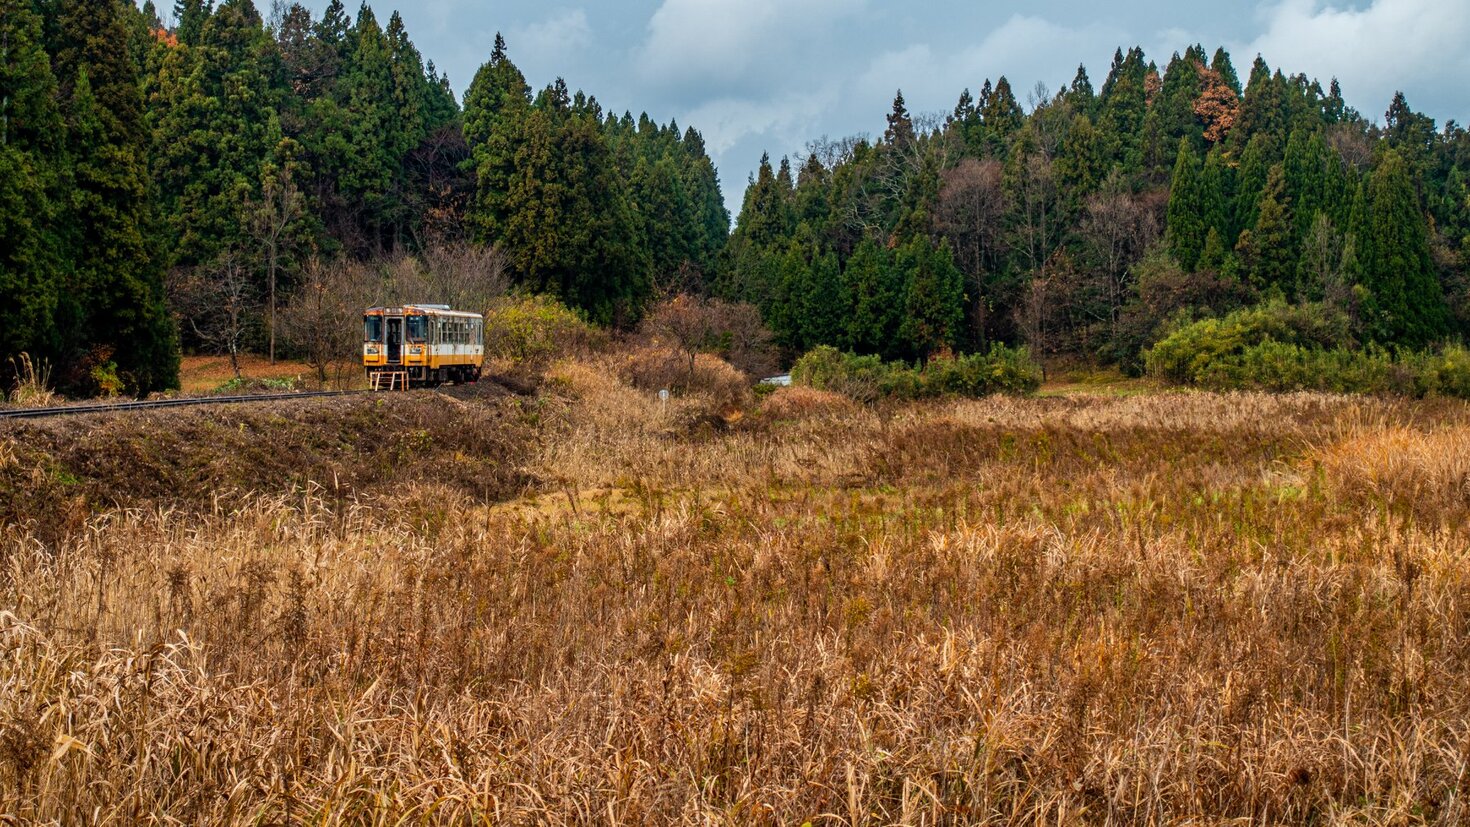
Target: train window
[(416, 328), (372, 328)]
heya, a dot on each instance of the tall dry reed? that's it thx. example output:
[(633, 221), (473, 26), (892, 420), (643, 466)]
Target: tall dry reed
[(1140, 611)]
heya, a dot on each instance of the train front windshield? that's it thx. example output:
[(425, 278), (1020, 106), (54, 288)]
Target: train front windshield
[(373, 328), (418, 328)]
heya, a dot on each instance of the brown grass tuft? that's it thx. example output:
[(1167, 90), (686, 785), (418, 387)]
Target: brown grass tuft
[(32, 386), (710, 378), (800, 402)]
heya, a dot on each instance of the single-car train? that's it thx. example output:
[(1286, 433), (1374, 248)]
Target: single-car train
[(422, 345)]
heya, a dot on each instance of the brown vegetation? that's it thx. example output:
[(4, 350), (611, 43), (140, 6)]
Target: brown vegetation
[(1151, 609), (801, 402), (733, 331)]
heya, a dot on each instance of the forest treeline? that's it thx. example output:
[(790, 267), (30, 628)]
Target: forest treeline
[(168, 184), (173, 184), (1100, 219)]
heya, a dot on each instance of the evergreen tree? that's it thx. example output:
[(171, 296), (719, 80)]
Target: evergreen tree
[(498, 93), (877, 300), (764, 219), (1123, 105), (335, 31), (934, 300), (1080, 93), (900, 131), (1412, 135), (1263, 109), (1269, 259), (1316, 180), (825, 302), (1404, 301), (497, 114), (702, 183), (1000, 117), (1221, 65), (30, 263), (214, 123), (117, 277), (1212, 255), (1187, 219), (787, 312), (811, 204), (1172, 117), (368, 176), (191, 16), (1083, 163), (1334, 108), (1250, 179), (667, 216), (964, 123), (1217, 188)]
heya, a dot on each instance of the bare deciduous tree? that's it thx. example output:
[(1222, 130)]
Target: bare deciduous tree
[(461, 274), (971, 212), (270, 218), (218, 303), (834, 152), (324, 317), (1327, 262), (1118, 229), (732, 331), (1034, 190)]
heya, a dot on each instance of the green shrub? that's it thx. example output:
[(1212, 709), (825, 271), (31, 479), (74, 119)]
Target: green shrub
[(1448, 374), (1001, 370), (1280, 347), (534, 329), (1186, 354), (868, 378), (864, 378)]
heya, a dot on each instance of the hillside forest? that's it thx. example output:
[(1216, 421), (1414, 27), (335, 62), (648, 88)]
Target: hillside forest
[(172, 179)]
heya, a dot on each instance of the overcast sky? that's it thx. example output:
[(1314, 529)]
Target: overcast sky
[(770, 75)]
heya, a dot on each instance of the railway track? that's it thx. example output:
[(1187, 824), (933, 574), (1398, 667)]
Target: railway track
[(151, 404)]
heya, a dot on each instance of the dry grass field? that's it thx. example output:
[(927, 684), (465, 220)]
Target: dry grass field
[(201, 374), (1139, 609)]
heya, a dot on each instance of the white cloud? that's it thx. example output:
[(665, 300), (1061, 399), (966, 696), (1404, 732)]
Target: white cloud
[(788, 119), (551, 44), (1417, 46), (1025, 49), (732, 47)]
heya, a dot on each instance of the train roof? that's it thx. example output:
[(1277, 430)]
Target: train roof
[(425, 309)]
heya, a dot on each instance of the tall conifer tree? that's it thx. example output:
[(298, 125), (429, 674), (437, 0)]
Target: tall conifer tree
[(1187, 227), (117, 275), (31, 266), (1405, 302)]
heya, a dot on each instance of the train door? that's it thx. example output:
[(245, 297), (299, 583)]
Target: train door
[(395, 340)]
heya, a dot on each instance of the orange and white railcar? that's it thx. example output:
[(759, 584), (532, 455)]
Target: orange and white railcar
[(422, 345)]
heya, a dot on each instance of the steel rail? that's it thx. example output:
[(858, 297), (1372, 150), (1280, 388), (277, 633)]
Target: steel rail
[(151, 404)]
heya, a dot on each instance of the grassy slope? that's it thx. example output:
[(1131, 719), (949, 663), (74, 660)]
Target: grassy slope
[(1139, 607), (202, 374)]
